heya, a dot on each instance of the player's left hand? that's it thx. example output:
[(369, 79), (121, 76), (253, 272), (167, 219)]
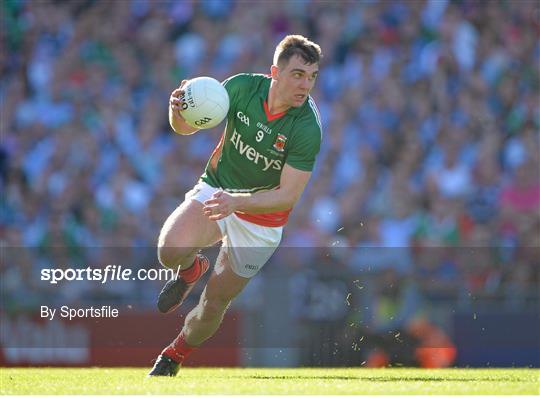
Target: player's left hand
[(221, 205), (176, 100)]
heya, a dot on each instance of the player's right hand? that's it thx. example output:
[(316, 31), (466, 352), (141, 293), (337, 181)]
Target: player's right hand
[(176, 99)]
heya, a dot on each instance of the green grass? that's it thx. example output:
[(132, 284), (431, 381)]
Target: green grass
[(270, 381)]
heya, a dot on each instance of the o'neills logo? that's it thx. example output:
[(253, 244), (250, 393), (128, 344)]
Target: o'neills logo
[(253, 155), (279, 145)]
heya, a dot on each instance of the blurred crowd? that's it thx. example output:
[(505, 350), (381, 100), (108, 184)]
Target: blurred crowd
[(430, 160)]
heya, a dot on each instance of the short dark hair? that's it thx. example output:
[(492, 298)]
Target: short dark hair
[(295, 44)]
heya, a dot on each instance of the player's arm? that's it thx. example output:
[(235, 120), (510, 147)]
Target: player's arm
[(175, 118), (292, 184)]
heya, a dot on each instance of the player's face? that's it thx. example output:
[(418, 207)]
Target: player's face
[(295, 81)]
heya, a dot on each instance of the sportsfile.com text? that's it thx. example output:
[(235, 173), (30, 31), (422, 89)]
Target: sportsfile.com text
[(106, 273)]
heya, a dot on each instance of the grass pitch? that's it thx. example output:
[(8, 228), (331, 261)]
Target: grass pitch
[(270, 381)]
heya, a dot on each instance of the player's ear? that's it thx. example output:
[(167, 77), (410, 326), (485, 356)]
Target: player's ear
[(274, 72)]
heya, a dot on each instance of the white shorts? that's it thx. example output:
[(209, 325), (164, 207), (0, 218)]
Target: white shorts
[(249, 246)]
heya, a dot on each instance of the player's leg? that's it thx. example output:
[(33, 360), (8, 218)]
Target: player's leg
[(222, 287), (245, 250), (204, 320), (185, 231)]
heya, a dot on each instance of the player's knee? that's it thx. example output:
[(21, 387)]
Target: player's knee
[(172, 257)]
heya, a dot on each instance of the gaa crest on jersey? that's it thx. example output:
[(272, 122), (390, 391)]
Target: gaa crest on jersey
[(279, 145)]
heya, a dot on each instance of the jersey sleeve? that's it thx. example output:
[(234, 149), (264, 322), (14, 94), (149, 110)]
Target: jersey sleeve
[(305, 144), (234, 86)]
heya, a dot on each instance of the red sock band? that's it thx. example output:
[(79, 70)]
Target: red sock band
[(192, 273), (178, 350)]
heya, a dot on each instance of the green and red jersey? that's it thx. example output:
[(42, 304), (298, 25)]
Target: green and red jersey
[(256, 144)]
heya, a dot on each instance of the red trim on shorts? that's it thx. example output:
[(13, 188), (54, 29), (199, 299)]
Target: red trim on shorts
[(273, 219)]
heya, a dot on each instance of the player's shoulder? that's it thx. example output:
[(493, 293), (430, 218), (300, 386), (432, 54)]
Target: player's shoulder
[(310, 116), (245, 80)]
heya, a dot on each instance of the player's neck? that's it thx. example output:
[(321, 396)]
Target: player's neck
[(275, 106)]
